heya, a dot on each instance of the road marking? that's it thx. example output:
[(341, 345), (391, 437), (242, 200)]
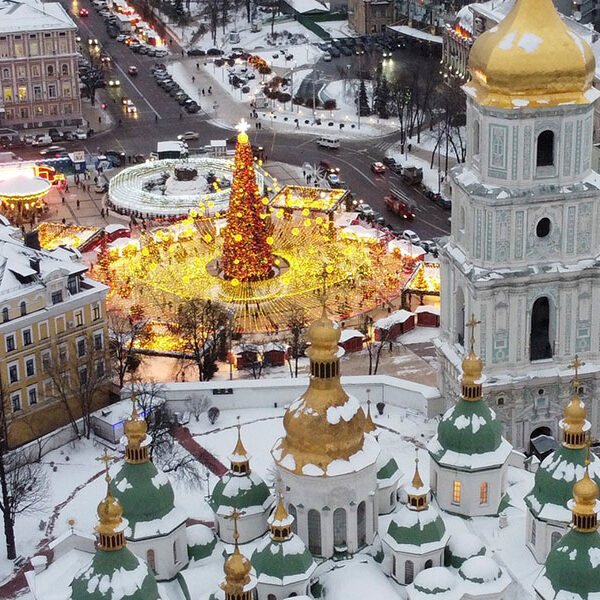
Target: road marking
[(137, 90)]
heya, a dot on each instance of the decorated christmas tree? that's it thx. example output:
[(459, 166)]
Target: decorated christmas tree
[(247, 252)]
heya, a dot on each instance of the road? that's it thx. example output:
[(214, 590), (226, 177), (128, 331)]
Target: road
[(159, 117)]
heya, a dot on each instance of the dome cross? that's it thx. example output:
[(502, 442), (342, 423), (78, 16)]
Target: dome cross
[(471, 325), (575, 365), (235, 515), (106, 458)]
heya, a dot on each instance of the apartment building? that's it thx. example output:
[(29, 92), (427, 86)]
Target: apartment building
[(370, 16), (38, 66), (51, 314)]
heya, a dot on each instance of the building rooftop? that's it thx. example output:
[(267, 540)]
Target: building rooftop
[(33, 16)]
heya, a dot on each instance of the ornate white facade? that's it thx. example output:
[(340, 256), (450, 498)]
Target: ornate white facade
[(523, 256)]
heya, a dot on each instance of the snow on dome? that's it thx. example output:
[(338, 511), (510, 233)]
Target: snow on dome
[(465, 545), (345, 411), (199, 535), (480, 569), (435, 580)]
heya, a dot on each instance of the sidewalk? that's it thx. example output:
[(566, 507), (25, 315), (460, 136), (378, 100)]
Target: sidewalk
[(97, 118)]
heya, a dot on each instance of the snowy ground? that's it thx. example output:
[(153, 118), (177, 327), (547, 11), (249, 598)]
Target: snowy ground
[(338, 29)]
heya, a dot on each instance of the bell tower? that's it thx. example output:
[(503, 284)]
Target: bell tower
[(524, 245)]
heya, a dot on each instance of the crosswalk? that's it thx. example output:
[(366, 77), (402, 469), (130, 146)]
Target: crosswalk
[(383, 146)]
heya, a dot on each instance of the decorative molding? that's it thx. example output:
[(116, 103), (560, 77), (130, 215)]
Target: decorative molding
[(488, 236), (577, 169), (515, 151), (567, 145), (519, 224), (527, 157), (498, 135), (584, 227), (571, 229)]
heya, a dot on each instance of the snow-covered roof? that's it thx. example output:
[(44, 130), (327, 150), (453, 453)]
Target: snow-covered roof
[(33, 16), (428, 308), (348, 334), (474, 462), (307, 6), (398, 316), (464, 19), (416, 33)]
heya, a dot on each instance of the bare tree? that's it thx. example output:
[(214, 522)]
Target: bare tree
[(197, 406), (125, 333), (296, 324), (225, 6), (202, 326), (374, 346), (212, 12), (23, 484), (79, 379)]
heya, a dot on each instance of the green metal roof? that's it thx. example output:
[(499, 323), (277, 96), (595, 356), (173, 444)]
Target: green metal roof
[(417, 528), (282, 559), (111, 576), (388, 470), (556, 476), (573, 565), (470, 428), (240, 491), (144, 493), (204, 543)]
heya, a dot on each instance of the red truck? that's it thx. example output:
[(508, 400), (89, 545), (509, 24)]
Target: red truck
[(398, 203)]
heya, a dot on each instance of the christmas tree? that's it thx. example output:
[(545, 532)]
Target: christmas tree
[(247, 252)]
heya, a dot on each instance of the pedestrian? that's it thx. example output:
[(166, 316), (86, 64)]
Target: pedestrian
[(197, 66), (203, 91), (64, 221), (156, 118), (62, 198), (66, 187), (77, 202), (129, 158), (304, 173), (182, 53), (193, 79), (409, 147), (95, 179), (102, 213), (100, 120)]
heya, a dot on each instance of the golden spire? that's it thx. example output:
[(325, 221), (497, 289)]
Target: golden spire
[(237, 568), (369, 424), (530, 59), (574, 424), (110, 514), (417, 493), (136, 429), (585, 499), (240, 461), (472, 368), (281, 523)]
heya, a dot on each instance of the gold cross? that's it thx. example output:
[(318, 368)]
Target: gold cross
[(106, 458), (471, 325), (327, 269), (235, 515), (575, 365)]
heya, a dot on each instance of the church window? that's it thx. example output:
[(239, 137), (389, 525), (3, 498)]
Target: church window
[(463, 219), (175, 559), (339, 527), (271, 597), (483, 493), (542, 229), (555, 538), (314, 531), (460, 316), (409, 571), (428, 564), (476, 134), (150, 559), (392, 495), (292, 513), (456, 492), (361, 523), (500, 401), (545, 149), (533, 532), (539, 342)]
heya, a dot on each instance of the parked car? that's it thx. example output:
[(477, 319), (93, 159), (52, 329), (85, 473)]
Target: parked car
[(388, 161), (84, 12), (335, 53), (378, 168), (444, 202), (327, 57), (52, 151), (55, 134), (132, 70), (411, 236), (196, 52), (430, 246), (42, 140), (214, 52), (192, 108)]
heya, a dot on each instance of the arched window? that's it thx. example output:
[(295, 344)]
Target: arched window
[(409, 571), (175, 559), (392, 498), (456, 492), (476, 134), (462, 221), (4, 314), (428, 564), (539, 342), (339, 527), (483, 493), (361, 523), (5, 73), (150, 559), (64, 69), (545, 149), (533, 532), (314, 531), (292, 595), (292, 512), (555, 538), (50, 70), (459, 299), (23, 308), (271, 597)]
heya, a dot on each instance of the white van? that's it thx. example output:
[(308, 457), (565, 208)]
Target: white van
[(328, 142)]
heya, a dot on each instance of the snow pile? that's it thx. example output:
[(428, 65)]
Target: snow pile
[(346, 411), (475, 421), (123, 485), (465, 545), (435, 580), (398, 316), (159, 480), (199, 535), (480, 569)]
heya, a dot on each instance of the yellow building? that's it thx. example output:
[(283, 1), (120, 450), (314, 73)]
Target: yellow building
[(53, 338)]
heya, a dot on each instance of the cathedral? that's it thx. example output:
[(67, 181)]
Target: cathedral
[(518, 287)]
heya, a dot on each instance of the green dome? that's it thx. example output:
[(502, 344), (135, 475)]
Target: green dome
[(244, 492), (554, 481), (282, 562), (423, 530), (115, 574), (470, 428), (145, 494), (572, 568), (202, 541)]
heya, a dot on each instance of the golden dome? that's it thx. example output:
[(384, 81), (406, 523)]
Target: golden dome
[(110, 513), (135, 427), (323, 336), (281, 514), (530, 58), (237, 569), (324, 424), (585, 491), (575, 413), (472, 368)]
